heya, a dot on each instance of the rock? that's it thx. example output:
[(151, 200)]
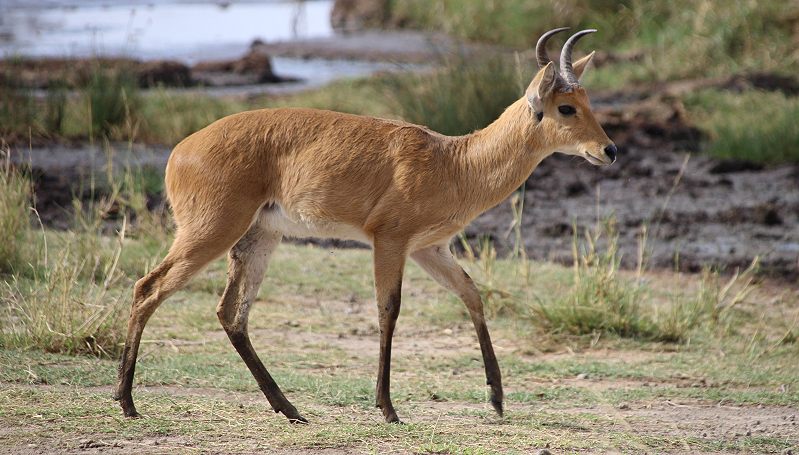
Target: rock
[(582, 376), (257, 63), (624, 406), (163, 72), (254, 67), (351, 15)]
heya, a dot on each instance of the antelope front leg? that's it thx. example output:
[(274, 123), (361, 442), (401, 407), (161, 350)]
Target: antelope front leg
[(389, 260), (438, 262)]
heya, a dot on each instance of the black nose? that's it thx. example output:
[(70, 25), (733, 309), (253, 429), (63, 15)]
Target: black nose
[(610, 151)]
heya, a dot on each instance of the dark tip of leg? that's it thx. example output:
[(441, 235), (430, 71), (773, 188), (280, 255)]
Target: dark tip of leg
[(393, 419), (497, 404), (292, 414), (131, 413), (391, 415)]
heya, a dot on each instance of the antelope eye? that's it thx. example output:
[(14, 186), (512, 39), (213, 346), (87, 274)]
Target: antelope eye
[(567, 110)]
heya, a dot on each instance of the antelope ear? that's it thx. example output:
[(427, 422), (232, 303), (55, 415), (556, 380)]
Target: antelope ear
[(580, 65), (542, 86)]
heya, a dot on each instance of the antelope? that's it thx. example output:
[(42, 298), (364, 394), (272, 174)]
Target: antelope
[(247, 180)]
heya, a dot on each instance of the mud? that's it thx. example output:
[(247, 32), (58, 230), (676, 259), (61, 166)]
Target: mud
[(699, 211), (254, 67)]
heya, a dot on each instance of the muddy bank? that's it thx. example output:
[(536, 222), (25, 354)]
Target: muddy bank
[(253, 67), (720, 213)]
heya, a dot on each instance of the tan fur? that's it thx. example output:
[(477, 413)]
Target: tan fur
[(247, 180)]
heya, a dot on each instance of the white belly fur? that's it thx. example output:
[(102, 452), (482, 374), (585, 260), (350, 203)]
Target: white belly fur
[(294, 225)]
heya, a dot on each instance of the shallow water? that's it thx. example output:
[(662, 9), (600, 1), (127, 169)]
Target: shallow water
[(185, 31), (173, 29)]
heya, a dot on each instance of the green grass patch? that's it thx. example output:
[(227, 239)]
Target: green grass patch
[(461, 96), (682, 38), (15, 221), (752, 125)]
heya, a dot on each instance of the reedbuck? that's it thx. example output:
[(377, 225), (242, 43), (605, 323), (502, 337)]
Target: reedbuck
[(245, 181)]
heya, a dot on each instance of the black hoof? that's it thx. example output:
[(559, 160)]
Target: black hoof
[(497, 404), (391, 417), (293, 415)]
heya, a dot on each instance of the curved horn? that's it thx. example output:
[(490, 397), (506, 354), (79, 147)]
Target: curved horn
[(566, 68), (540, 47)]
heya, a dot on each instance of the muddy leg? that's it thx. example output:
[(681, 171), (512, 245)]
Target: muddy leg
[(389, 261), (247, 264), (438, 262)]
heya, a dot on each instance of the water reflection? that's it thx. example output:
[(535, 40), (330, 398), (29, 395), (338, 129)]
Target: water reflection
[(156, 29)]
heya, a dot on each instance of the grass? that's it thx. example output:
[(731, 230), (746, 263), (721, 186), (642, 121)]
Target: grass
[(679, 39), (66, 292), (15, 223), (462, 96), (317, 333), (763, 127), (112, 102), (600, 301), (313, 331)]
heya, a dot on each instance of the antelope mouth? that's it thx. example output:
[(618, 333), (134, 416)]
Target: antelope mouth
[(597, 161)]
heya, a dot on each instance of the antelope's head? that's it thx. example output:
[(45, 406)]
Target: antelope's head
[(561, 106)]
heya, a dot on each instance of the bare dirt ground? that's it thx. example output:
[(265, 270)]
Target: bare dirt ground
[(209, 403), (673, 420)]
